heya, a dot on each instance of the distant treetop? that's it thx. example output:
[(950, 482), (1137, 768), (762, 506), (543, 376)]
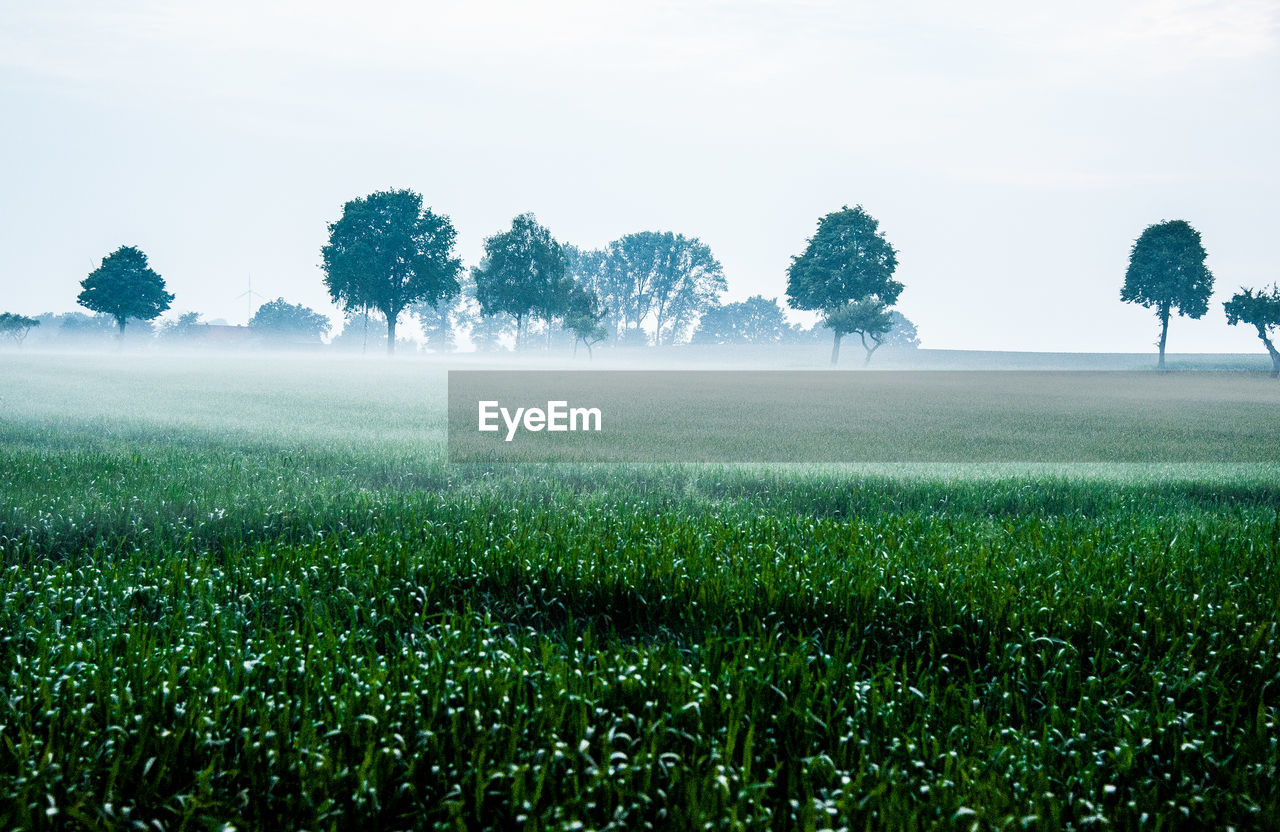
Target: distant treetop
[(1167, 272), (387, 252), (125, 287), (280, 319), (846, 272)]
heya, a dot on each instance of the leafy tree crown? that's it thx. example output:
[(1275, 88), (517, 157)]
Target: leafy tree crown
[(283, 319), (868, 317), (1258, 308), (16, 326), (125, 286), (522, 271), (386, 252), (847, 259), (1167, 270), (582, 314)]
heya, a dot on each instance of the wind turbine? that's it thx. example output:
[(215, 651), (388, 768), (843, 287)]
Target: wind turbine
[(250, 295)]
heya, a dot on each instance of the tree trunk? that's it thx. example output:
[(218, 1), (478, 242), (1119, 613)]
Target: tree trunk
[(120, 322), (835, 349), (875, 345), (519, 330), (1164, 334), (1271, 350), (391, 333)]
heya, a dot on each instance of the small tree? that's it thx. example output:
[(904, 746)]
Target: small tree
[(846, 273), (521, 274), (281, 320), (868, 318), (586, 267), (1261, 310), (583, 317), (16, 326), (387, 252), (1167, 272), (187, 326), (124, 287)]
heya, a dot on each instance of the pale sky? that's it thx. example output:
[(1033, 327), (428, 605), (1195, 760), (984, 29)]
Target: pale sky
[(1011, 151)]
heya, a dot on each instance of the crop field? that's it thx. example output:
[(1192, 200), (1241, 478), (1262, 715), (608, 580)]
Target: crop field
[(251, 593)]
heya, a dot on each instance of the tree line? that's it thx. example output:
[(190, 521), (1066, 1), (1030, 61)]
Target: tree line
[(389, 255)]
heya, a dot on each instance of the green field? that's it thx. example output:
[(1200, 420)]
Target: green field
[(251, 592)]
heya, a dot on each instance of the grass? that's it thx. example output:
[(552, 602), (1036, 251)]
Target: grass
[(918, 416), (257, 596)]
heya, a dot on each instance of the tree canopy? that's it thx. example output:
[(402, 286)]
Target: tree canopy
[(902, 332), (1261, 310), (1167, 272), (868, 318), (522, 274), (186, 326), (16, 326), (440, 320), (361, 329), (756, 320), (387, 252), (582, 317), (280, 320), (657, 277), (125, 287), (846, 273)]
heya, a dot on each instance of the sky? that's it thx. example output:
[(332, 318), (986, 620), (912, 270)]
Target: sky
[(1011, 151)]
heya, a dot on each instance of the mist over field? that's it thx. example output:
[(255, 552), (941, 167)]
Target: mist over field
[(248, 588)]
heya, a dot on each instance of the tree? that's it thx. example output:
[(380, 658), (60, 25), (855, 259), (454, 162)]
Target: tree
[(387, 252), (756, 320), (668, 278), (440, 321), (187, 325), (868, 318), (16, 326), (846, 273), (798, 334), (582, 317), (124, 287), (355, 332), (79, 326), (1261, 310), (902, 333), (622, 285), (586, 267), (280, 320), (685, 282), (1167, 272), (521, 274)]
